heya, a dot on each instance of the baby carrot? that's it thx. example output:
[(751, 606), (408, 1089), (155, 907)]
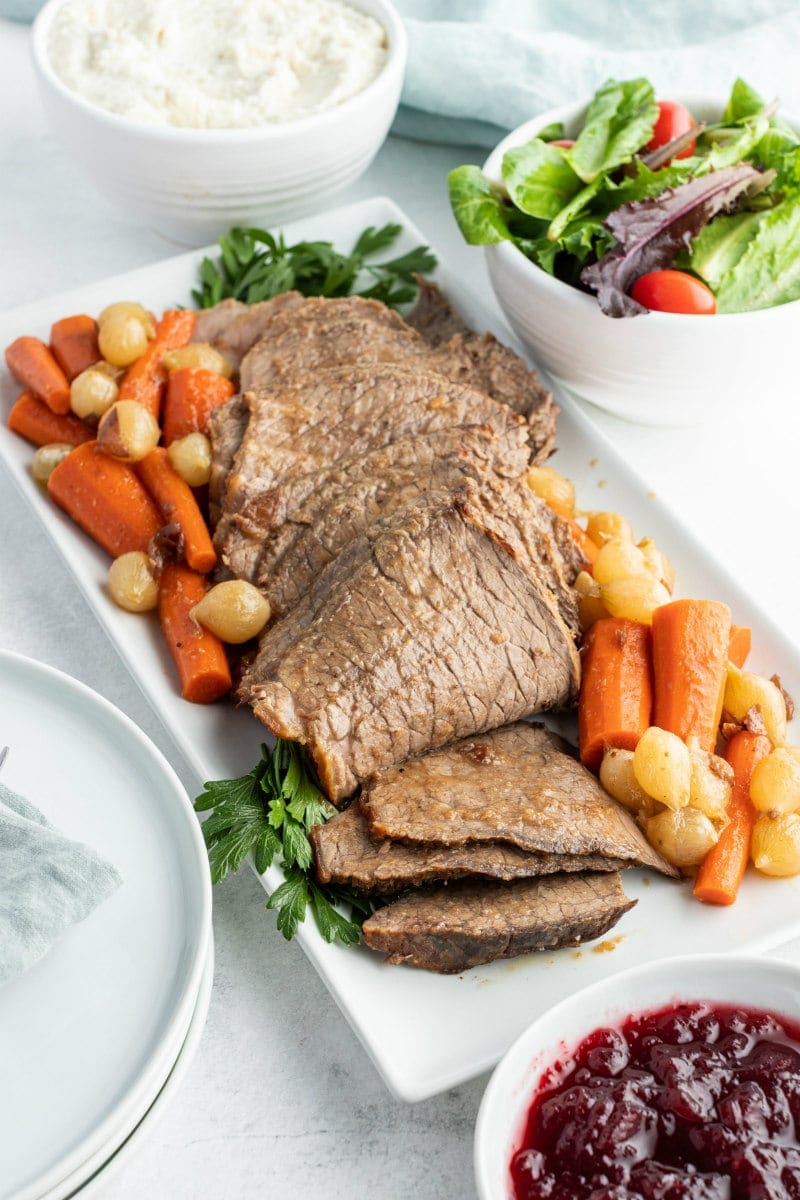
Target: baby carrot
[(146, 379), (31, 362), (616, 691), (722, 868), (106, 498), (73, 341), (690, 661), (32, 419), (192, 394), (176, 502), (197, 653), (739, 645)]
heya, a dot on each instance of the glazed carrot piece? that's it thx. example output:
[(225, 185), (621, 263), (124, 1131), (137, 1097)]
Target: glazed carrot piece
[(33, 420), (176, 502), (690, 662), (198, 654), (192, 394), (722, 868), (739, 645), (73, 341), (616, 694), (30, 361), (587, 547), (106, 498), (145, 380)]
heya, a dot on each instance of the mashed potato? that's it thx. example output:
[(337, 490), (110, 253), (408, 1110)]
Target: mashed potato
[(213, 64)]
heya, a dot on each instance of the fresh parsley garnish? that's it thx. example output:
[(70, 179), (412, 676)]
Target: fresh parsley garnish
[(268, 813), (255, 265)]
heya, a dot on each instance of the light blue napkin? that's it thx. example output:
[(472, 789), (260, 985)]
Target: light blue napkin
[(47, 883), (477, 68)]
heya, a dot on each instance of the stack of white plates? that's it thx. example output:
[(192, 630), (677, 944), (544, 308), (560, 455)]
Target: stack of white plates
[(96, 1037)]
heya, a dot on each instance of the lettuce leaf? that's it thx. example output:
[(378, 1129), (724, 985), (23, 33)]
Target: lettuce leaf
[(650, 233), (618, 122), (477, 207), (767, 272), (539, 179), (719, 246)]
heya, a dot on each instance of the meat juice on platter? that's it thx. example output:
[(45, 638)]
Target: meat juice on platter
[(691, 1102)]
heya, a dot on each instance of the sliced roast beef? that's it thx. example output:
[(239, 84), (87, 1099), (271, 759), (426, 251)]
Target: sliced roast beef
[(239, 334), (433, 316), (327, 333), (211, 323), (426, 628), (513, 785), (320, 418), (451, 927), (346, 853), (303, 523), (226, 426)]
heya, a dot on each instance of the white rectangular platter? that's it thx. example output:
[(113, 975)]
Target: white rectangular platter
[(425, 1032)]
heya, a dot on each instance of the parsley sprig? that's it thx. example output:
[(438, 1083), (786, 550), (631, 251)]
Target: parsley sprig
[(268, 813), (256, 265)]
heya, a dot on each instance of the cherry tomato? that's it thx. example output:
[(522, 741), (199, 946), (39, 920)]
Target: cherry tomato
[(675, 292), (567, 143), (673, 120)]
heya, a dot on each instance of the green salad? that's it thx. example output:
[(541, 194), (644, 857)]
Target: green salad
[(649, 209)]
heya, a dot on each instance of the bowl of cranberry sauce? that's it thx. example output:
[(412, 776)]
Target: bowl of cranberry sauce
[(679, 1081)]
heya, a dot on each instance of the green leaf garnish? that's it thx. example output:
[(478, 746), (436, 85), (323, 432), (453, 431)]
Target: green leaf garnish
[(256, 265), (268, 814)]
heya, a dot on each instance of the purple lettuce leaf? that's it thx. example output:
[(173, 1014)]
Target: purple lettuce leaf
[(650, 233)]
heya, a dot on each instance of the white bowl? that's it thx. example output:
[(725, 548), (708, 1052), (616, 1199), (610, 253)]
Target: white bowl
[(193, 184), (658, 368), (759, 983)]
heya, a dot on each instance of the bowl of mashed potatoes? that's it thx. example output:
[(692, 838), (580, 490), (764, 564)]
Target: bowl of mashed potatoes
[(195, 115)]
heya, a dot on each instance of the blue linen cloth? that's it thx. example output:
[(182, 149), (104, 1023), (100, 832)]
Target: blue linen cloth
[(47, 883), (478, 68)]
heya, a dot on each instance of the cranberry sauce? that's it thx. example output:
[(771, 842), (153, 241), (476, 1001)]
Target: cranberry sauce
[(693, 1102)]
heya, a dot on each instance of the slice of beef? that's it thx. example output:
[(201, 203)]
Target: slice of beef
[(426, 628), (452, 927), (433, 316), (241, 333), (226, 426), (346, 853), (322, 417), (211, 323), (513, 785), (322, 333), (305, 522)]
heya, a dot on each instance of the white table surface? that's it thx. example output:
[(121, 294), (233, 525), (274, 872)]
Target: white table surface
[(281, 1100)]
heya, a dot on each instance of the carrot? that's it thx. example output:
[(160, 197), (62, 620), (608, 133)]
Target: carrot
[(722, 868), (739, 645), (690, 662), (32, 419), (31, 362), (106, 498), (192, 394), (73, 341), (587, 547), (198, 654), (616, 690), (146, 379), (176, 502)]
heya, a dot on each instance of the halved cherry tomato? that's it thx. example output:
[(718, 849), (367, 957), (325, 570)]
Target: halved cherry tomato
[(673, 120), (675, 292), (567, 143)]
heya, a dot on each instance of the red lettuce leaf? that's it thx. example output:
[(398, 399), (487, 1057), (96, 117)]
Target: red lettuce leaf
[(650, 233)]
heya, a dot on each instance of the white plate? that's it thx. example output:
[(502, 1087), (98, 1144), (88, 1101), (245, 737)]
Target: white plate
[(94, 1183), (89, 1034), (426, 1033)]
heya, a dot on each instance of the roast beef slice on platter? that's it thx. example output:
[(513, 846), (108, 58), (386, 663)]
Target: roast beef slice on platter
[(427, 628), (451, 927), (345, 411), (346, 853), (512, 785)]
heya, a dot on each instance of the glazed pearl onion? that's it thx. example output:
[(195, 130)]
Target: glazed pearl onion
[(234, 610), (131, 582), (128, 431), (191, 458), (92, 393), (47, 458)]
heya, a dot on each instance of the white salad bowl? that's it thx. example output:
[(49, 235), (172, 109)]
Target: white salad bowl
[(194, 184), (665, 369), (753, 983)]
